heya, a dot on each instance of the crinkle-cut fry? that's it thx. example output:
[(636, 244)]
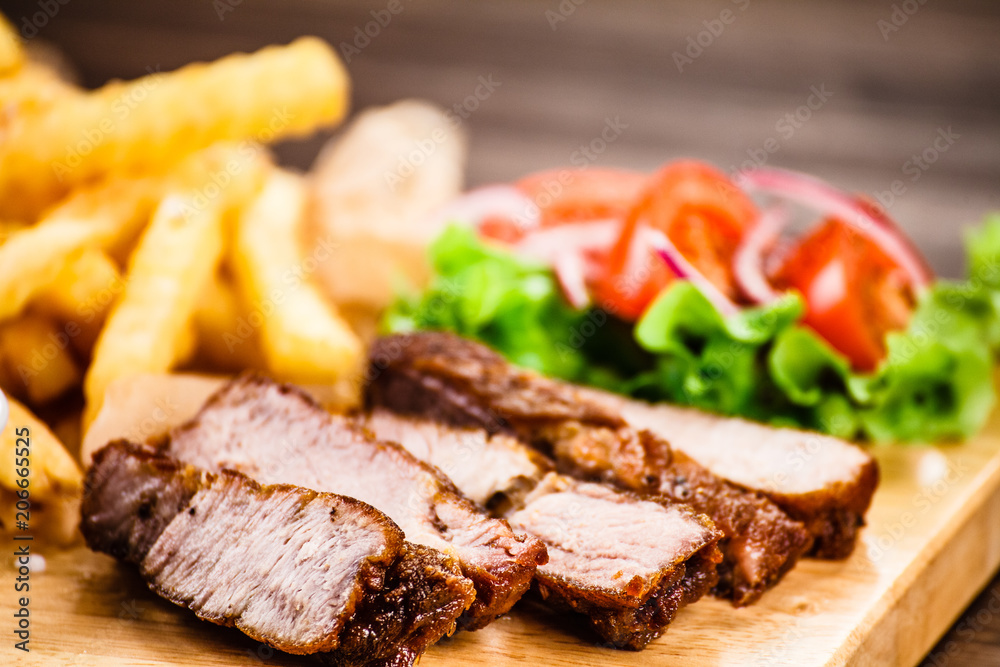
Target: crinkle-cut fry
[(176, 256), (98, 216), (277, 92), (33, 89), (37, 358), (11, 52), (82, 294), (52, 471), (8, 227), (226, 339), (148, 329), (304, 339), (111, 215)]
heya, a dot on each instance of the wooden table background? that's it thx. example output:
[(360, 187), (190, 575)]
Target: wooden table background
[(894, 82)]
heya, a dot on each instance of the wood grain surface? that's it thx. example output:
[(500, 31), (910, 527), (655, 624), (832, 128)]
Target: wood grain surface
[(893, 90), (932, 542)]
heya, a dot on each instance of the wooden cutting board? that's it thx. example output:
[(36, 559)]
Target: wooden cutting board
[(932, 543)]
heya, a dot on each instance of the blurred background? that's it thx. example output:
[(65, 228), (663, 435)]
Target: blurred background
[(897, 99)]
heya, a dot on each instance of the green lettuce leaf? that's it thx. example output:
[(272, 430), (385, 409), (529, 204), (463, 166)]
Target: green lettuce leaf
[(511, 304), (762, 363)]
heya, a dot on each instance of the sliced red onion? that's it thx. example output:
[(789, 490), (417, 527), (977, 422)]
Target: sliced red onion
[(489, 201), (819, 195), (682, 268), (749, 258), (571, 274), (565, 248), (545, 244)]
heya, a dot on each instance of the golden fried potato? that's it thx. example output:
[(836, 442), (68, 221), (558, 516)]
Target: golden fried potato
[(146, 124), (8, 227), (110, 215), (11, 53), (149, 330), (304, 339), (226, 340), (33, 89), (37, 358), (52, 471), (69, 431), (186, 345), (82, 294), (53, 480), (98, 216)]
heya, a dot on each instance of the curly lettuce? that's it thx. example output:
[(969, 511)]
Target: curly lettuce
[(936, 382)]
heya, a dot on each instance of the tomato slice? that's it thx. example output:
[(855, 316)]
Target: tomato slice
[(702, 212), (566, 196), (583, 195), (855, 293)]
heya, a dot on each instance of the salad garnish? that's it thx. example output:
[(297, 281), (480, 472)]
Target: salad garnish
[(687, 286)]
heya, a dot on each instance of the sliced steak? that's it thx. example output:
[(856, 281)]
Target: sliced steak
[(302, 571), (627, 563), (494, 470), (442, 376), (278, 434), (820, 480)]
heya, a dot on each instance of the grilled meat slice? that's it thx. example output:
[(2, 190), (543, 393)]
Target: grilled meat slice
[(494, 470), (822, 481), (302, 571), (626, 563), (278, 434), (442, 376)]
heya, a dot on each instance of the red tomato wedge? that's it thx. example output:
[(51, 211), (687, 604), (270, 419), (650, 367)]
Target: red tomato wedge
[(567, 196), (855, 293), (702, 213)]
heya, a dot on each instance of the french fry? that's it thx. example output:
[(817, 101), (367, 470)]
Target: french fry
[(33, 89), (303, 337), (174, 259), (158, 119), (82, 293), (52, 472), (185, 346), (37, 359), (149, 328), (68, 430), (11, 53), (112, 214), (99, 216), (226, 340), (8, 227)]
